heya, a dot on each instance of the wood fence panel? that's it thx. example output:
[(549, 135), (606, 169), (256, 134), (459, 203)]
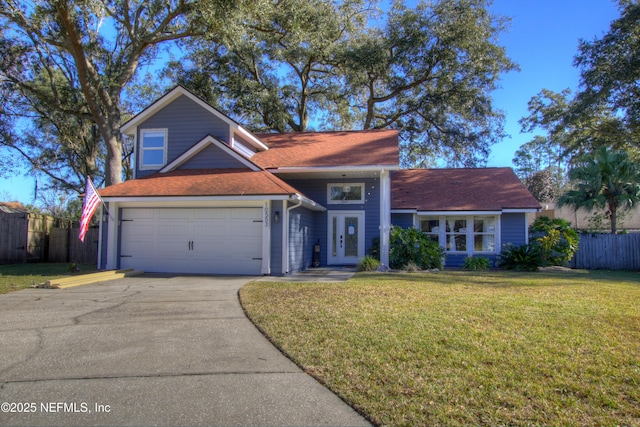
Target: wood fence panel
[(59, 245), (13, 238), (40, 227), (83, 253), (65, 246), (608, 251)]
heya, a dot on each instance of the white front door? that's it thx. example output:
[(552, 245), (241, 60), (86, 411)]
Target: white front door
[(346, 237)]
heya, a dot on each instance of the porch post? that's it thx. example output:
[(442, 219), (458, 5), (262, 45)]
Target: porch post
[(385, 216), (113, 233)]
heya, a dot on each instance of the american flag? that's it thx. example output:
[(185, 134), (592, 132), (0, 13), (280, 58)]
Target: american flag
[(91, 202)]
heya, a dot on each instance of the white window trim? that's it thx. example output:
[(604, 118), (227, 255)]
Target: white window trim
[(345, 202), (470, 233), (142, 166)]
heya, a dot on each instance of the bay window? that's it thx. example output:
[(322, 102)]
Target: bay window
[(469, 234), (456, 236)]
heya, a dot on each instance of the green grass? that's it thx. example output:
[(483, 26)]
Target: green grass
[(14, 277), (466, 348)]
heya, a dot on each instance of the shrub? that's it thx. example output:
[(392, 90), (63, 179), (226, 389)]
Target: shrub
[(476, 263), (558, 242), (368, 263), (521, 258), (411, 267), (412, 245)]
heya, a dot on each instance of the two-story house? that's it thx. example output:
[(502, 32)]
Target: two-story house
[(210, 197)]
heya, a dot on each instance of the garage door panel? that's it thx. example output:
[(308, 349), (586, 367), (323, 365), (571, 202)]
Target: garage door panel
[(173, 214), (204, 241), (175, 231)]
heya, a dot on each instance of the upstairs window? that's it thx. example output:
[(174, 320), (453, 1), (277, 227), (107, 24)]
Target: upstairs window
[(153, 148), (346, 193)]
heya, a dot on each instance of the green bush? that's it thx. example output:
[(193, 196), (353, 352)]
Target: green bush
[(412, 245), (521, 258), (368, 263), (476, 263), (558, 242)]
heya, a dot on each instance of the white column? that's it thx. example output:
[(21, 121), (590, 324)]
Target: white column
[(266, 238), (112, 236), (385, 216)]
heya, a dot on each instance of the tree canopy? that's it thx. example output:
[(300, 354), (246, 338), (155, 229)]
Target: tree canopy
[(605, 110), (69, 74), (301, 65), (605, 179), (64, 68)]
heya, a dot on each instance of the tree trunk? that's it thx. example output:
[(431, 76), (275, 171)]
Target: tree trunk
[(613, 218), (113, 173)]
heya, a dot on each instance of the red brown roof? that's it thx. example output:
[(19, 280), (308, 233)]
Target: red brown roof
[(486, 189), (202, 182), (323, 149)]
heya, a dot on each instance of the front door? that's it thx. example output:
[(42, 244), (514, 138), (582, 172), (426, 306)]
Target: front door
[(346, 237)]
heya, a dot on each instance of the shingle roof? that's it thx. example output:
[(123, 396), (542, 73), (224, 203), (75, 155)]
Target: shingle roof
[(12, 207), (202, 182), (325, 149), (486, 189)]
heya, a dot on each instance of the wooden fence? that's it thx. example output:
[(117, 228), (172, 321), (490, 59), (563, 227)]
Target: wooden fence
[(608, 251), (65, 246), (13, 237), (27, 237)]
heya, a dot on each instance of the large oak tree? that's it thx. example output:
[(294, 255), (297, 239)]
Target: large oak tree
[(65, 66), (308, 64)]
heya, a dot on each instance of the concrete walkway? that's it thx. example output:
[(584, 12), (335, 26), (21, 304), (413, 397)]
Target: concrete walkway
[(150, 351)]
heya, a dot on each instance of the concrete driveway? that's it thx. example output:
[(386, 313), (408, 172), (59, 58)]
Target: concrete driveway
[(150, 351)]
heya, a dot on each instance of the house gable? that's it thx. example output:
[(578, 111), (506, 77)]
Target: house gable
[(210, 153), (468, 212), (183, 118)]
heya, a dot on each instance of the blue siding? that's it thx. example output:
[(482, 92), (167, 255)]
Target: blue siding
[(187, 123), (301, 238), (276, 239), (212, 157), (316, 189), (404, 220), (513, 227)]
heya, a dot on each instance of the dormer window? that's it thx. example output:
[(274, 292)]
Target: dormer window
[(153, 148)]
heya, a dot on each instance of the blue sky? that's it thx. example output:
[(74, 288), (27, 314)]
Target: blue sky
[(543, 40)]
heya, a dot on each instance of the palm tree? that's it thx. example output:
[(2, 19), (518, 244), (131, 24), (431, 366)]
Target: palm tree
[(604, 179)]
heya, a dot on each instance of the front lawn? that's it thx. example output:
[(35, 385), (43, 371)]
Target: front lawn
[(463, 348), (14, 277)]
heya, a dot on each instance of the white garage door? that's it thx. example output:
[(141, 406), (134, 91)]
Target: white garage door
[(202, 241)]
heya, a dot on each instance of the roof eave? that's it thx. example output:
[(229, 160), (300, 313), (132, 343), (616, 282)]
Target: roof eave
[(464, 211), (298, 169)]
